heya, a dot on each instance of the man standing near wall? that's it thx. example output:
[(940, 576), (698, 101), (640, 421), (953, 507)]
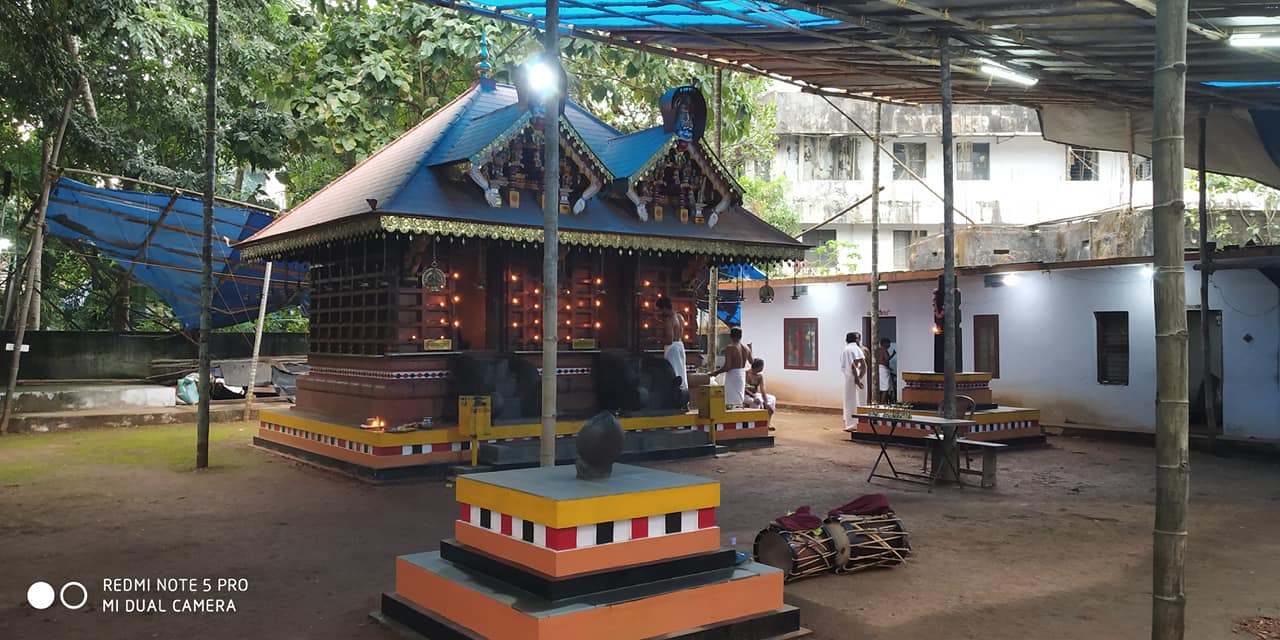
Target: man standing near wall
[(853, 365), (673, 333)]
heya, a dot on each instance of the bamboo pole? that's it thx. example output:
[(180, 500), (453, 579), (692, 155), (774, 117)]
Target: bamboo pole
[(257, 341), (873, 335), (50, 175), (206, 248), (1206, 257), (551, 243), (1128, 121), (1172, 457), (713, 277)]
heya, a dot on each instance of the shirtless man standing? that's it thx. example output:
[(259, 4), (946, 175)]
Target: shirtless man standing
[(673, 335), (736, 359)]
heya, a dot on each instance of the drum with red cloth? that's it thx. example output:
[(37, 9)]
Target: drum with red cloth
[(797, 544), (798, 554), (867, 541)]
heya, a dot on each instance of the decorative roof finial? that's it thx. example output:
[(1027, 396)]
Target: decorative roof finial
[(483, 67)]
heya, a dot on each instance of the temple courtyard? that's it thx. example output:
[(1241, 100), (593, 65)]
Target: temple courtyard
[(1061, 549)]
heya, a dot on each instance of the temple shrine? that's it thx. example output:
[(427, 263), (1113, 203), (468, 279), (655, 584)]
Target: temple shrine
[(426, 287)]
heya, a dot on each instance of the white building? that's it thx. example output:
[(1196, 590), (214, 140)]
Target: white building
[(1005, 172), (1075, 340)]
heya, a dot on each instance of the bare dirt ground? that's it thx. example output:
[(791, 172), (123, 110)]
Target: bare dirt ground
[(1060, 550)]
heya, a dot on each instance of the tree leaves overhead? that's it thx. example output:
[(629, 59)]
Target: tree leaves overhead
[(307, 88)]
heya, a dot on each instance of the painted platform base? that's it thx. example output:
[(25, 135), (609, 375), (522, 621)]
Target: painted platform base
[(781, 624), (473, 602), (435, 452)]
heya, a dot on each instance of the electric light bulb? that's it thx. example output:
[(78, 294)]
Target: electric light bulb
[(457, 323), (442, 321), (537, 290), (514, 325), (537, 321), (597, 325), (515, 301), (597, 303), (514, 277), (599, 280), (566, 322), (646, 325), (567, 307), (457, 276), (537, 306), (459, 299), (646, 304), (659, 295), (646, 283)]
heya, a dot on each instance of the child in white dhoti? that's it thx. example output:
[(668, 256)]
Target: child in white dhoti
[(757, 396)]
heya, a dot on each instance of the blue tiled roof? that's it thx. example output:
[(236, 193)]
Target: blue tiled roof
[(624, 155)]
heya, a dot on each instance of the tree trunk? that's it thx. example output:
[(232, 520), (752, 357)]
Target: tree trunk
[(1172, 457), (950, 322)]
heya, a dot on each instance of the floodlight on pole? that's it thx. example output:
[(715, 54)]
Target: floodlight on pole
[(543, 80), (1254, 39), (996, 70)]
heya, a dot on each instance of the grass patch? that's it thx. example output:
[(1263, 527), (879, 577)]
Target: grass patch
[(30, 458)]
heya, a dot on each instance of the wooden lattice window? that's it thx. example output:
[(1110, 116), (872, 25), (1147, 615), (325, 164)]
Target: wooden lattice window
[(1113, 347)]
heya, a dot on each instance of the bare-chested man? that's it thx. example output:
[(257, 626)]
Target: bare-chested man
[(673, 335), (737, 357)]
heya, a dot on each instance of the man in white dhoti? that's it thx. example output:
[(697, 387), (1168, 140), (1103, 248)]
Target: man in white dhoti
[(883, 358), (736, 358), (673, 334), (854, 367)]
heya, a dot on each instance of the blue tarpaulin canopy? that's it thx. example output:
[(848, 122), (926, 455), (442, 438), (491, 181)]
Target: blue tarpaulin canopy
[(742, 271), (156, 238)]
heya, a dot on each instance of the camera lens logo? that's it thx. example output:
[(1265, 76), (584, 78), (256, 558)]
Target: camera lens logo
[(40, 595)]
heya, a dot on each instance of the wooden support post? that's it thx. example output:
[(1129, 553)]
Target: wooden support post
[(206, 246), (257, 342), (1173, 463), (873, 335), (1128, 121), (950, 322), (551, 242), (1206, 268), (713, 312), (49, 175)]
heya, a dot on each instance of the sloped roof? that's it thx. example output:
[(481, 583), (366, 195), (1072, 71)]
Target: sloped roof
[(412, 197)]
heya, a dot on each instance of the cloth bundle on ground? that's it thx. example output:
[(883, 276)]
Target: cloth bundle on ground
[(871, 504), (799, 520)]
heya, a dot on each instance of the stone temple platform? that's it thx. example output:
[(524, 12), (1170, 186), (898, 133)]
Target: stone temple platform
[(540, 554)]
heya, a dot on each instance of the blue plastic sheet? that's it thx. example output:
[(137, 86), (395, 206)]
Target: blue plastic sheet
[(159, 236)]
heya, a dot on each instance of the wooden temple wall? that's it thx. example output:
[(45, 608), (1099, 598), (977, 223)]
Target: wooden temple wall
[(382, 344)]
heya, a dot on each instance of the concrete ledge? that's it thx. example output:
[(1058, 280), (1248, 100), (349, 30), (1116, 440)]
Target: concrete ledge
[(50, 421)]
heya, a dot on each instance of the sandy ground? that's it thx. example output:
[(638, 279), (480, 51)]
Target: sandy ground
[(1060, 550)]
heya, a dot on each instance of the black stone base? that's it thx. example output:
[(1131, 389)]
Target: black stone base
[(747, 443), (401, 614), (557, 589)]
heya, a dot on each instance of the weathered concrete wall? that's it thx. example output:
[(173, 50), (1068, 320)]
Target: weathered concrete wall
[(91, 355), (1111, 234), (807, 113)]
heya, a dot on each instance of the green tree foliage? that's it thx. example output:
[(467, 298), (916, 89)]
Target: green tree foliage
[(1240, 210), (306, 89), (768, 199)]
